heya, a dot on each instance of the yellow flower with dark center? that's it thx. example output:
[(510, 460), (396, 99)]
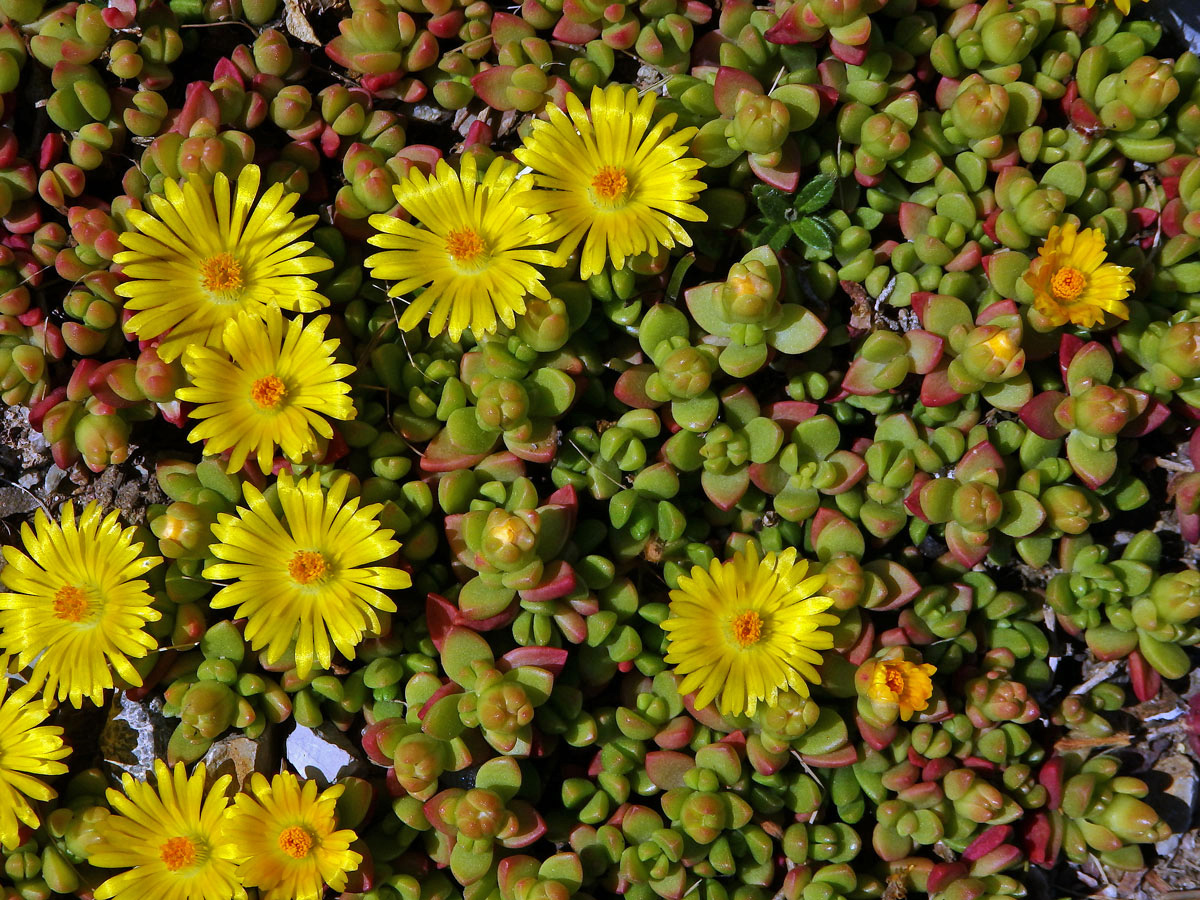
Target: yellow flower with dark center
[(170, 838), (277, 387), (76, 604), (904, 683), (1072, 282), (1123, 5), (27, 749), (612, 181), (287, 839), (208, 254), (742, 631), (309, 577), (471, 247)]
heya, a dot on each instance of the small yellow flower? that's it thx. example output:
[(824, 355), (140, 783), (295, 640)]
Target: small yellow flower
[(904, 683), (310, 577), (288, 845), (170, 839), (274, 389), (208, 254), (475, 256), (27, 749), (742, 631), (1122, 5), (77, 604), (1072, 282), (612, 181)]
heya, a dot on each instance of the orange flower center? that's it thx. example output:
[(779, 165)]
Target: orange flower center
[(221, 274), (894, 680), (610, 184), (71, 604), (178, 853), (295, 841), (306, 566), (747, 628), (267, 392), (1067, 283), (464, 245)]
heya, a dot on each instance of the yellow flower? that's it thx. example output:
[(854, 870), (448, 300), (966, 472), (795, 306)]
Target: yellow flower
[(1072, 282), (276, 390), (77, 604), (904, 683), (308, 577), (287, 845), (746, 630), (613, 182), (27, 749), (1122, 5), (476, 255), (171, 839), (211, 254)]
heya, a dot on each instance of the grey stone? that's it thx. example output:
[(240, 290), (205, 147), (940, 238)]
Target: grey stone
[(135, 735), (16, 501), (323, 753)]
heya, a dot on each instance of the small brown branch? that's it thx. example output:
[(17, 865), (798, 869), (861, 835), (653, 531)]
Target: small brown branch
[(1066, 745)]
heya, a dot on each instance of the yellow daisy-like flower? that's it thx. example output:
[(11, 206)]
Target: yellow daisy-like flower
[(27, 749), (613, 181), (276, 391), (475, 256), (170, 838), (1072, 282), (904, 683), (1122, 5), (309, 577), (77, 604), (211, 254), (744, 630), (287, 842)]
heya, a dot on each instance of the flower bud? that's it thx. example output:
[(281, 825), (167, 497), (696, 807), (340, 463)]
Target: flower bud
[(747, 296), (686, 372), (993, 354), (479, 813), (1008, 37), (1147, 86), (503, 405), (508, 539), (976, 507), (979, 109), (1180, 349), (760, 125), (1102, 411), (884, 136)]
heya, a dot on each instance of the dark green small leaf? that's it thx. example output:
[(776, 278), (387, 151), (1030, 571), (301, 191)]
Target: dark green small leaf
[(825, 225), (816, 194), (780, 238), (680, 270), (812, 234), (771, 202)]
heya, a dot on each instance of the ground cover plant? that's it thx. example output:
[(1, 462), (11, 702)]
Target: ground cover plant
[(577, 449)]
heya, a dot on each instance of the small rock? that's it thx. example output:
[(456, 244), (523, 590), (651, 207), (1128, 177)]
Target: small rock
[(135, 735), (16, 501), (54, 477), (1176, 801), (241, 757), (323, 753)]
